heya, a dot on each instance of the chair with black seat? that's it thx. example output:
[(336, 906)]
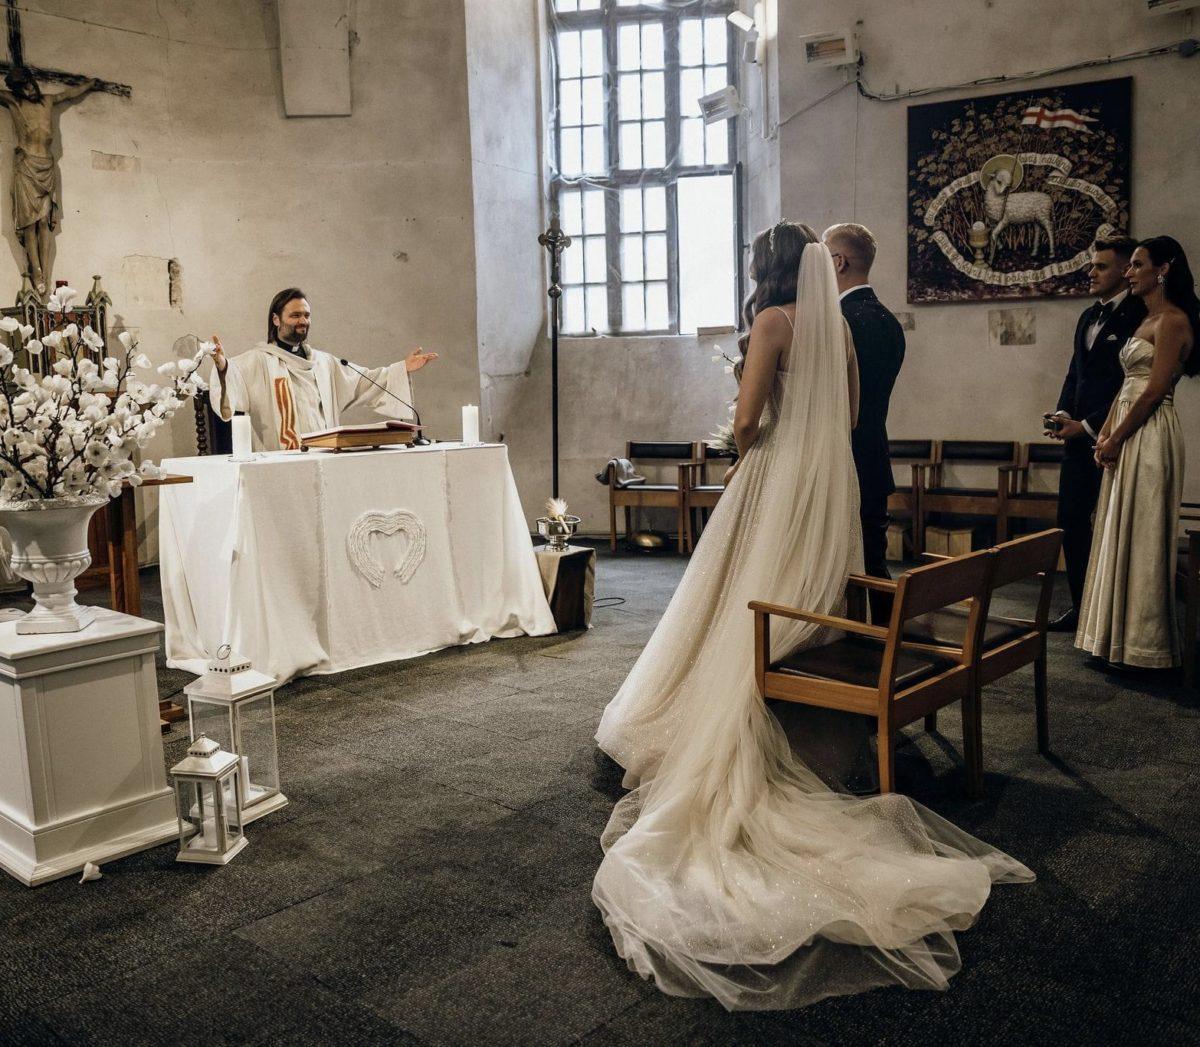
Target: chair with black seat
[(1187, 588), (1007, 644), (939, 497), (213, 434), (1017, 501), (700, 496), (905, 502), (650, 495), (874, 672)]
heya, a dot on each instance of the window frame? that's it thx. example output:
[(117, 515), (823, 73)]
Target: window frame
[(608, 18)]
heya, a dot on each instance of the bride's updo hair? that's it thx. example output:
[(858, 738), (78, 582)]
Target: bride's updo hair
[(775, 269)]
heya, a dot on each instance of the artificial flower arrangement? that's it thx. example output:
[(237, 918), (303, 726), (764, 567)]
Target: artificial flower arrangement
[(722, 440), (71, 433)]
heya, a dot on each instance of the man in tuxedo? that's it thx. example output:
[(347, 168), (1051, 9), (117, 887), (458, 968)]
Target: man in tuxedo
[(879, 346), (1091, 385)]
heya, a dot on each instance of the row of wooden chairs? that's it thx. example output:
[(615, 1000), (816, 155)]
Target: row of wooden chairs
[(1009, 498), (933, 651), (693, 493)]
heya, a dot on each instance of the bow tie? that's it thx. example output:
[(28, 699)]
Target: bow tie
[(1102, 312)]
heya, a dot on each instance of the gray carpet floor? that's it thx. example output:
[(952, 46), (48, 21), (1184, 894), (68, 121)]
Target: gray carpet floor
[(429, 881)]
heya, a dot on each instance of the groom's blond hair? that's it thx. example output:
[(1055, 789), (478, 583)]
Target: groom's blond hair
[(857, 240)]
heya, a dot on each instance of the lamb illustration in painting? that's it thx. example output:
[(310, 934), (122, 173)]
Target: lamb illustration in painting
[(1005, 208)]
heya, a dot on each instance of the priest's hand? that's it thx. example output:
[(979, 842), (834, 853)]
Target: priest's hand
[(218, 355), (417, 359)]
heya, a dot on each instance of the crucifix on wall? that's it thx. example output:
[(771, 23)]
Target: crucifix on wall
[(35, 171)]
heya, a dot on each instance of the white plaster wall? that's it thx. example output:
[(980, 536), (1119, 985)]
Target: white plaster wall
[(371, 213), (845, 160)]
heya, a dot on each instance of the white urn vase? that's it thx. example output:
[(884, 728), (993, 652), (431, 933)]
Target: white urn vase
[(50, 550)]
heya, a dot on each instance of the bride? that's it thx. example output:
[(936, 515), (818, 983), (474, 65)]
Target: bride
[(730, 869)]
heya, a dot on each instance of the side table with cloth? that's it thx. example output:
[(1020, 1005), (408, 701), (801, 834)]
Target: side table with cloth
[(569, 578), (293, 558)]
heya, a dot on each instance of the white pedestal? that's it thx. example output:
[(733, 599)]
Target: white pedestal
[(82, 773)]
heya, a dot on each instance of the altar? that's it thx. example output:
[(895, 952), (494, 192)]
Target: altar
[(317, 563)]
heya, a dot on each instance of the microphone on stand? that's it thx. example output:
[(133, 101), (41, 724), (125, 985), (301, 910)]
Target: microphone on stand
[(421, 440)]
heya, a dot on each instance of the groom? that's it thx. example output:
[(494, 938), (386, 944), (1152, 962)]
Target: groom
[(1092, 383), (879, 346)]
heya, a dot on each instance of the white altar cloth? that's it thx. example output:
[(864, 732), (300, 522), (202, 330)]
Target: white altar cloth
[(258, 555)]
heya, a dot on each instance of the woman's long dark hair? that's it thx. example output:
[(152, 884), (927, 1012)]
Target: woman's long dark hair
[(775, 269), (277, 304), (1179, 289)]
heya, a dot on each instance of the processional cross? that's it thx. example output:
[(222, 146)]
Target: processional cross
[(35, 171)]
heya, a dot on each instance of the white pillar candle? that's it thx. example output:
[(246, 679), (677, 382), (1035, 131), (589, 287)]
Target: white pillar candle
[(242, 440), (470, 424)]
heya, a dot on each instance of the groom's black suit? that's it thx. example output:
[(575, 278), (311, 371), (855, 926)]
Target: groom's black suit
[(1091, 385), (879, 346)]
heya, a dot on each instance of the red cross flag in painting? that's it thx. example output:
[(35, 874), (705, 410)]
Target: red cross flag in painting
[(1040, 116)]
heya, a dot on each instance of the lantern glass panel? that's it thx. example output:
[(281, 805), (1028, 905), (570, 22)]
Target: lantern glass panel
[(214, 719), (257, 748)]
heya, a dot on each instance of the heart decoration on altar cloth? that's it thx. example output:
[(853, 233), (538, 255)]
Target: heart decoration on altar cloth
[(358, 544)]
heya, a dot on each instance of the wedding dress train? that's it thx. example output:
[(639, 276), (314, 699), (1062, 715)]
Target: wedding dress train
[(730, 869)]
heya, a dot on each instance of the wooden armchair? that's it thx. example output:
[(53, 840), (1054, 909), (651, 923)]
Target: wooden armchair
[(1017, 501), (700, 496), (650, 495), (1007, 644), (1187, 586), (938, 497), (905, 502), (875, 672)]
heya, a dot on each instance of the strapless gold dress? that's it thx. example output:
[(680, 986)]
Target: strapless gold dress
[(1128, 610)]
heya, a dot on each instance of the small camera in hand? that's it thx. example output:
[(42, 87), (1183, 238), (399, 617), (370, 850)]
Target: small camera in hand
[(1052, 423)]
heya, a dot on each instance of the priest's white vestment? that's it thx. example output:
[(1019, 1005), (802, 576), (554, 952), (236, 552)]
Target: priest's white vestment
[(286, 394)]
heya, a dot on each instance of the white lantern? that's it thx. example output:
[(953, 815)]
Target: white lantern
[(235, 705), (207, 787)]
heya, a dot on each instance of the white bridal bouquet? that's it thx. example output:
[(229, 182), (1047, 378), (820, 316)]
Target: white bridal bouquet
[(72, 431)]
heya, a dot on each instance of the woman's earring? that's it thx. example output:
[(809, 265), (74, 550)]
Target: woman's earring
[(1161, 279)]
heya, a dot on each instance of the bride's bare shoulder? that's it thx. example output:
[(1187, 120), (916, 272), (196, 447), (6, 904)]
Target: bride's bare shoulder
[(775, 321)]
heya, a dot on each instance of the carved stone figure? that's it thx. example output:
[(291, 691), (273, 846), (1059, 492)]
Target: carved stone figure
[(34, 186)]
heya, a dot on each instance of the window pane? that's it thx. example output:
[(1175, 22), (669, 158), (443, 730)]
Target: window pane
[(633, 307), (715, 78), (569, 110), (591, 48), (593, 211), (593, 150), (656, 208), (569, 161), (572, 263), (631, 210), (656, 257), (595, 265), (566, 5), (568, 54), (715, 52), (658, 316), (707, 280), (572, 319), (570, 212), (629, 96), (589, 5), (629, 3), (631, 145), (597, 307), (691, 42), (691, 87), (652, 45), (654, 148), (631, 257), (653, 96), (593, 100), (692, 143), (718, 143), (629, 55)]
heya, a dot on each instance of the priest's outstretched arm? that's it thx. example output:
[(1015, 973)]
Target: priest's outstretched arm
[(228, 394), (377, 389)]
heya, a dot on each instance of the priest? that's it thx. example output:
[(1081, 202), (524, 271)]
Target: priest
[(289, 388)]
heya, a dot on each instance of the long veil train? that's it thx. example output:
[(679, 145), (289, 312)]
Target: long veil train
[(730, 869)]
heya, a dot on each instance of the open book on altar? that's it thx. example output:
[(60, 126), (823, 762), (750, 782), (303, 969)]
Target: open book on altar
[(371, 434)]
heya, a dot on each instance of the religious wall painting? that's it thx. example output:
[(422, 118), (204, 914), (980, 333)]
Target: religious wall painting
[(1007, 192)]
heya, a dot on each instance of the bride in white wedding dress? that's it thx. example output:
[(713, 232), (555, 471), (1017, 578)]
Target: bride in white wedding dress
[(731, 870)]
